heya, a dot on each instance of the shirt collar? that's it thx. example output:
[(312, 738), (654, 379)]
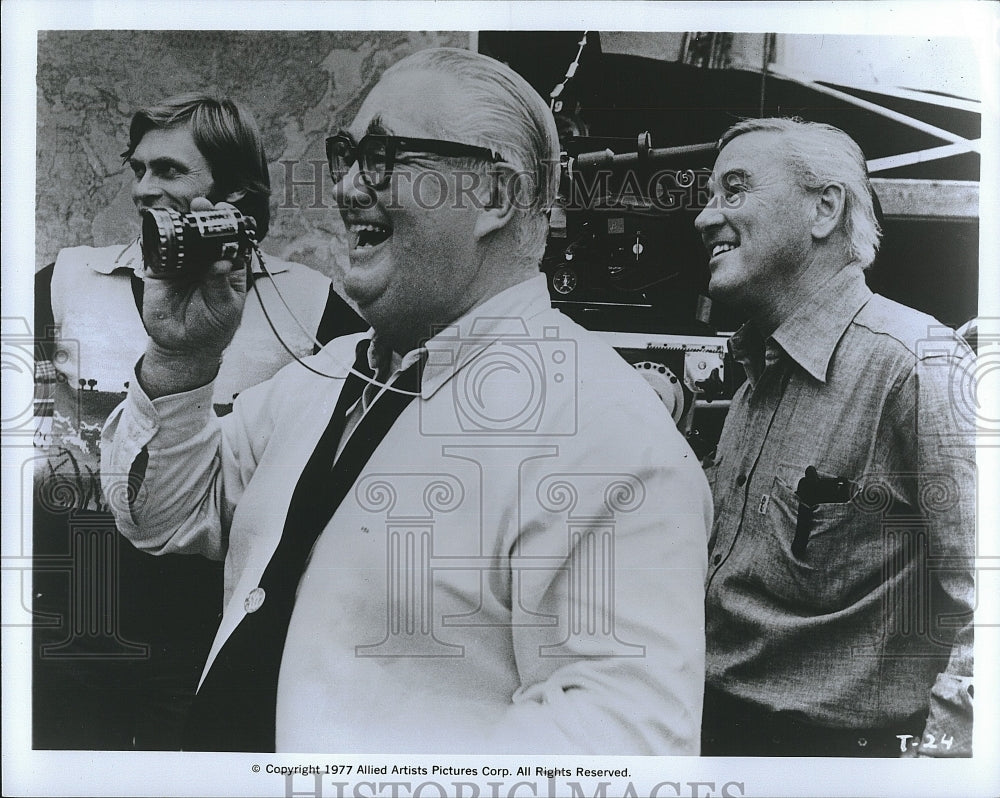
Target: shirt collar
[(130, 257), (384, 362), (502, 316), (811, 334)]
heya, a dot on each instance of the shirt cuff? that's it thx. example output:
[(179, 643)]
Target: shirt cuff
[(948, 732), (173, 418)]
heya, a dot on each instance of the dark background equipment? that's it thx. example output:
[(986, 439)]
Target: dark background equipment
[(637, 134)]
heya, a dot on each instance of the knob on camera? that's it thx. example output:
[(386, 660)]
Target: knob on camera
[(178, 244)]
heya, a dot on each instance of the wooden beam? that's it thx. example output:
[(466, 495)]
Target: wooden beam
[(955, 200)]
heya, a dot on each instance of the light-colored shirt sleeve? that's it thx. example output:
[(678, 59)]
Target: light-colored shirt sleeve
[(173, 472)]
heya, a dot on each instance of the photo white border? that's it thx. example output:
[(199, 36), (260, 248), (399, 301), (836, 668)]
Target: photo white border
[(27, 772)]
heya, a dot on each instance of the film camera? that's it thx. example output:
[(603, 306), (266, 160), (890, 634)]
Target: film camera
[(174, 243), (622, 232), (623, 259)]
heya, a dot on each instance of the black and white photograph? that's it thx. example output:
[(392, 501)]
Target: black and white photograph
[(500, 399)]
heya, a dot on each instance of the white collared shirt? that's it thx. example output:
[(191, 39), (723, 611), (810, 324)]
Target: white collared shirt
[(101, 335)]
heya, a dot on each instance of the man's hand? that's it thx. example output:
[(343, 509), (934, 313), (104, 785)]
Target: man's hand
[(190, 321)]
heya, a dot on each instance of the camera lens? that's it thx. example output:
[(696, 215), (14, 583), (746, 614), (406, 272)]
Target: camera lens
[(174, 243), (162, 229)]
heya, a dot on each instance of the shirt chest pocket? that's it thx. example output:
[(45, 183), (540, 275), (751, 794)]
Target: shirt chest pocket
[(826, 557)]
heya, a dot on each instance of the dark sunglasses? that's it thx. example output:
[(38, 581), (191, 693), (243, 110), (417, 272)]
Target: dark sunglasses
[(376, 154)]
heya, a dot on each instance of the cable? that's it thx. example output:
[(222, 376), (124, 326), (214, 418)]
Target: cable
[(765, 62), (570, 72), (310, 336)]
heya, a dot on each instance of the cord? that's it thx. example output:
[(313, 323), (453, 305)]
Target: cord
[(570, 72), (310, 336)]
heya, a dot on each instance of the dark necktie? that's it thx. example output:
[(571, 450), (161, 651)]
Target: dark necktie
[(235, 707)]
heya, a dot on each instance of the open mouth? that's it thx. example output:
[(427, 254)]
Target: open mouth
[(368, 235), (718, 249)]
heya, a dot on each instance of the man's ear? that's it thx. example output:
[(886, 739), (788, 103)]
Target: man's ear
[(502, 202), (829, 210)]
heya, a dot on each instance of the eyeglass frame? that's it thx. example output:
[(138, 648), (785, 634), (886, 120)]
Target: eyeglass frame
[(395, 145)]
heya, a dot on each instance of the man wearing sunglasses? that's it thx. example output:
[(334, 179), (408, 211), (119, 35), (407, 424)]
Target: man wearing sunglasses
[(485, 534)]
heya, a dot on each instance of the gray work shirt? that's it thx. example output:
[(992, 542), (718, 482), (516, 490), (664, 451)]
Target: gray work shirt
[(867, 620)]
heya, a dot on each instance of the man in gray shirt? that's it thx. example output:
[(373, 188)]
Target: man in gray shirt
[(840, 587)]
